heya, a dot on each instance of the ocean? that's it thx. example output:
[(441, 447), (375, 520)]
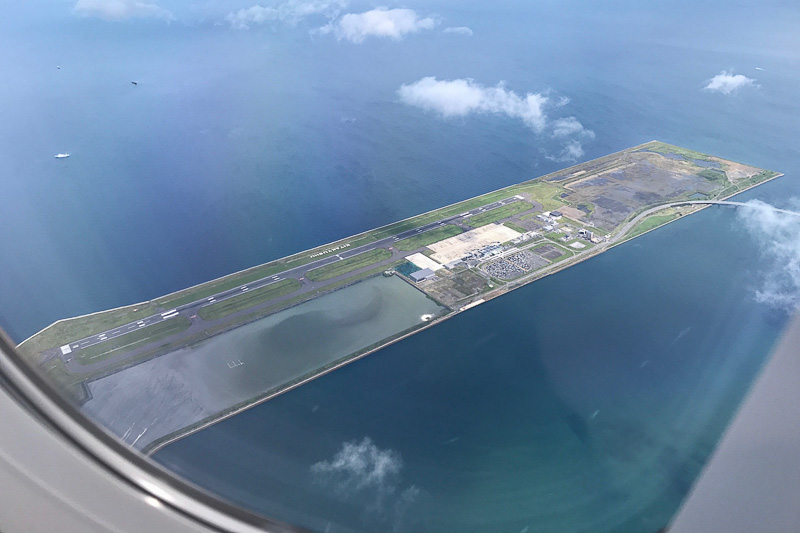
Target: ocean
[(587, 401)]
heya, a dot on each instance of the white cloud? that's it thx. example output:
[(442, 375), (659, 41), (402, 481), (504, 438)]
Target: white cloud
[(571, 152), (566, 127), (562, 101), (727, 82), (290, 12), (380, 22), (459, 30), (361, 465), (462, 97), (120, 9), (362, 472), (779, 237)]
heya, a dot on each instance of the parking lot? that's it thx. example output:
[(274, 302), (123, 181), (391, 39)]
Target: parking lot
[(514, 265)]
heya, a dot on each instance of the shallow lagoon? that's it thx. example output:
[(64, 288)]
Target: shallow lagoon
[(183, 387)]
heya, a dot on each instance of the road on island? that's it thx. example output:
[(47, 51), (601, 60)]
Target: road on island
[(66, 352), (619, 235), (630, 225)]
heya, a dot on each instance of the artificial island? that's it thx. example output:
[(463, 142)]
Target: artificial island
[(156, 371)]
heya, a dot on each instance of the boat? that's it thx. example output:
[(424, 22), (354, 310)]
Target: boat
[(62, 156)]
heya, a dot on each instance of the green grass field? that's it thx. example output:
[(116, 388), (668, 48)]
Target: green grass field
[(429, 237), (248, 299), (64, 381), (652, 222), (132, 340), (348, 265), (542, 192), (515, 227), (219, 285), (757, 178), (712, 174), (498, 214), (664, 148)]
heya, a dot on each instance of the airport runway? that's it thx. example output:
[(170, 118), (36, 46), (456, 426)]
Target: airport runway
[(190, 309)]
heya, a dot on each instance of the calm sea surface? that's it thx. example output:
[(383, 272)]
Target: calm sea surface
[(587, 401)]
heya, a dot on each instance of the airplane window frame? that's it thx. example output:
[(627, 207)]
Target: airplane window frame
[(35, 394)]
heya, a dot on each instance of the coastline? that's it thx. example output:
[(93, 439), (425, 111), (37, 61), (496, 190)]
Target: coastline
[(566, 188), (332, 244), (159, 444)]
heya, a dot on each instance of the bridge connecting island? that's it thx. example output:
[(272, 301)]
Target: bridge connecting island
[(459, 256)]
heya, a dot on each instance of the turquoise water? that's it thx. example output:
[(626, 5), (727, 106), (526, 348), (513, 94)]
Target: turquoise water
[(586, 401)]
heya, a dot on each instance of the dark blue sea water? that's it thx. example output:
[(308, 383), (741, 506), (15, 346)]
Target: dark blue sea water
[(587, 401)]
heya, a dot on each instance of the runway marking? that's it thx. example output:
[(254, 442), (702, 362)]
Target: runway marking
[(121, 330), (139, 437)]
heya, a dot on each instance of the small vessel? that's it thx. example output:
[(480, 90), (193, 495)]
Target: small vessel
[(62, 156)]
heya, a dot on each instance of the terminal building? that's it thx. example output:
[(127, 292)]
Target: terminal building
[(422, 275)]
